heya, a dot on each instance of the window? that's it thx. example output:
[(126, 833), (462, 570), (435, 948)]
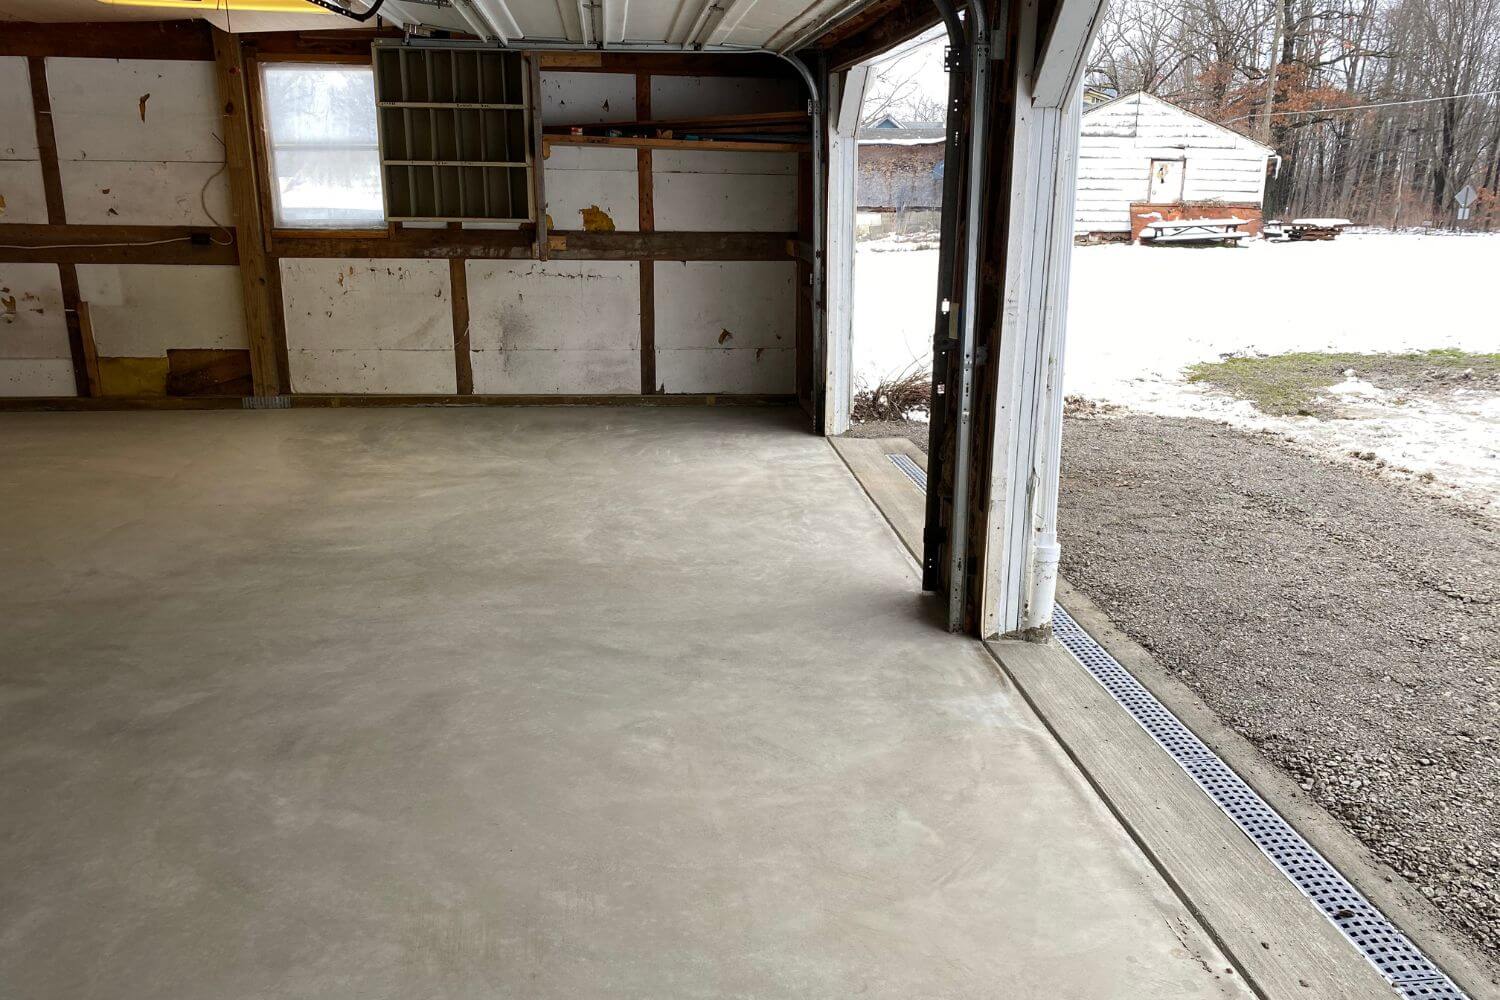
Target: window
[(324, 148)]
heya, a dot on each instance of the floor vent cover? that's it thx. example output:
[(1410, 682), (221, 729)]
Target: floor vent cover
[(1408, 970), (913, 471)]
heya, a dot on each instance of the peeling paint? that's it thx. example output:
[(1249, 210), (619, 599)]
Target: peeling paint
[(8, 308), (2, 204), (725, 335), (596, 220), (142, 105)]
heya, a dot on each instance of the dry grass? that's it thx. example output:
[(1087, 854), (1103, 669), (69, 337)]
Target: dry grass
[(894, 397)]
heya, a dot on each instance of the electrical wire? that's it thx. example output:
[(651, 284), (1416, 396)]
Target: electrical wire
[(1363, 107)]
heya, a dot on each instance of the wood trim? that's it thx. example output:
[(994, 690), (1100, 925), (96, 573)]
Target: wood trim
[(317, 401), (644, 142), (511, 244), (175, 39), (260, 147), (57, 214), (646, 222), (324, 58), (257, 286), (63, 244), (334, 45), (877, 29)]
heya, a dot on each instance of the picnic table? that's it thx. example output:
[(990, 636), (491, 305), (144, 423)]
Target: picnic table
[(1224, 232), (1307, 229)]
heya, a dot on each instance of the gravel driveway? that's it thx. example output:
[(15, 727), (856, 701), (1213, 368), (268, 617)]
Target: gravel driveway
[(1344, 623)]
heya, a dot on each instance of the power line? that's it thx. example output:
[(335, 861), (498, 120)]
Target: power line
[(1362, 107)]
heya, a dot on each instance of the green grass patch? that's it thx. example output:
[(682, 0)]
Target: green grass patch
[(1288, 384)]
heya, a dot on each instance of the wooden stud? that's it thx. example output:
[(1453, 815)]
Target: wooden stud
[(458, 292), (57, 215), (90, 349), (510, 244), (255, 264), (646, 223), (646, 142)]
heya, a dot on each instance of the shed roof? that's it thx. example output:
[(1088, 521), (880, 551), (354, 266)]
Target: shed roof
[(1101, 113)]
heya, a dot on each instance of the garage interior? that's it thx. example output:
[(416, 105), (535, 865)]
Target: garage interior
[(425, 570)]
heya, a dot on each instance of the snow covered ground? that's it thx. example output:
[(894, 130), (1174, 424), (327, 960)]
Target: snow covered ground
[(1139, 315)]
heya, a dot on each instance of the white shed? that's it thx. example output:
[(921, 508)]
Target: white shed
[(1141, 149)]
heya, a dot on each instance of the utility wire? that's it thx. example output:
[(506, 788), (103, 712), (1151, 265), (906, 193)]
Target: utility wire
[(1362, 107)]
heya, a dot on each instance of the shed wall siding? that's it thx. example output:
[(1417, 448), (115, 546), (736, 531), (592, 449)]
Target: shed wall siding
[(1119, 141)]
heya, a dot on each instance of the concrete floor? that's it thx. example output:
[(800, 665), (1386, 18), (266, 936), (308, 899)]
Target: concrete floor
[(520, 703)]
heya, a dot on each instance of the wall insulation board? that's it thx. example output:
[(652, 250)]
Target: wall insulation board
[(704, 191), (555, 327), (22, 197), (144, 310), (686, 96), (592, 187), (34, 356), (587, 98), (726, 326), (368, 326), (135, 141)]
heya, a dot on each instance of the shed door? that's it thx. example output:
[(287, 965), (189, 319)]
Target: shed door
[(1166, 181)]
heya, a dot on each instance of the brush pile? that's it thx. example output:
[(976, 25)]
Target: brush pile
[(895, 397)]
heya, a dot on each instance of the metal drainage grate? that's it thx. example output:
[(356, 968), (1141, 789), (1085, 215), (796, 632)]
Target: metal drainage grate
[(1412, 973), (913, 471), (1392, 953)]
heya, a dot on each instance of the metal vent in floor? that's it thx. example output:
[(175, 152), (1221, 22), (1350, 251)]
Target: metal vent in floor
[(1410, 972), (913, 471)]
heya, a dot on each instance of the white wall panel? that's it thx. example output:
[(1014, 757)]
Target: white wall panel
[(17, 122), (726, 326), (22, 195), (143, 310), (136, 141), (686, 96), (581, 98), (126, 193), (368, 326), (35, 359), (555, 326), (687, 202), (581, 177)]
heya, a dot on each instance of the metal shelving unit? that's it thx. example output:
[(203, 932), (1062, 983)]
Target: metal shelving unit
[(455, 134)]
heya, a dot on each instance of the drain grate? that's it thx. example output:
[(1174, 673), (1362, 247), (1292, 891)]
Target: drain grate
[(1408, 970), (913, 471)]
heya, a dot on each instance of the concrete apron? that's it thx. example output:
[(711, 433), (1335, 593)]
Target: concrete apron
[(520, 703)]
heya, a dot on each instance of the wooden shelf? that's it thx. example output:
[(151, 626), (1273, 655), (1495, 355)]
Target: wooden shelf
[(641, 142)]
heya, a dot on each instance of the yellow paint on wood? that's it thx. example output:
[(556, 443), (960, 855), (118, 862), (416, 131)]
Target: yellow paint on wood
[(133, 377), (596, 220)]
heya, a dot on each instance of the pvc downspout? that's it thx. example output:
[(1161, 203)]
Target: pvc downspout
[(978, 121)]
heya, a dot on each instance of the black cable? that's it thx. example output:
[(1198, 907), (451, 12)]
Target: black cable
[(346, 12)]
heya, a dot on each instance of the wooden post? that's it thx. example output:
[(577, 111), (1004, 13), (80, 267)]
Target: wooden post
[(67, 274), (646, 222), (537, 154), (458, 291), (90, 349), (261, 304)]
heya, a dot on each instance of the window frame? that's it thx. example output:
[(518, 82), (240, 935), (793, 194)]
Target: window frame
[(255, 66)]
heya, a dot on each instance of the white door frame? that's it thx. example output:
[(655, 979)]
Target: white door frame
[(846, 96)]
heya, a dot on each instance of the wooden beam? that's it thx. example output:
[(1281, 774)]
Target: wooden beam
[(642, 142), (180, 39), (57, 215), (877, 29), (510, 244), (90, 349), (645, 189), (49, 244), (234, 99), (536, 154)]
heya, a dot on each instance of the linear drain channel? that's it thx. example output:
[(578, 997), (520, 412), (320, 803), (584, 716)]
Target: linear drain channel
[(1412, 973)]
